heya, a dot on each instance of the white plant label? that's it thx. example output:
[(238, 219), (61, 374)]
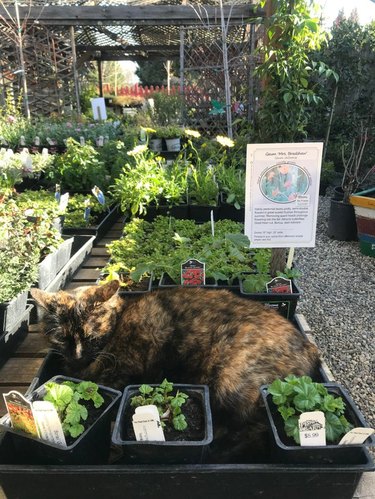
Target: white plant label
[(356, 436), (82, 141), (312, 428), (147, 425), (48, 422)]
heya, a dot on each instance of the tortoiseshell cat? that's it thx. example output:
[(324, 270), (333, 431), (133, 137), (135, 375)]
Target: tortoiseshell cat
[(191, 335)]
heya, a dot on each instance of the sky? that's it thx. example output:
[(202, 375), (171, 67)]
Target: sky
[(365, 8)]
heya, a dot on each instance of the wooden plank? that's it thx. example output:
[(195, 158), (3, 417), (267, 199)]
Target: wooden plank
[(132, 14), (5, 389), (74, 285), (19, 371), (103, 242), (95, 262), (113, 234), (99, 251), (86, 275), (34, 345)]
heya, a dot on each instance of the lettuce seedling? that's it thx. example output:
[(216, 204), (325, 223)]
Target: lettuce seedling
[(66, 398), (296, 395), (168, 405)]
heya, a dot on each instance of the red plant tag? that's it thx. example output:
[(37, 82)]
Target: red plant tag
[(193, 273), (279, 285), (20, 413)]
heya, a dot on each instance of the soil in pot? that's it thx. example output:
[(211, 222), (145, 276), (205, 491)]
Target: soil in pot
[(192, 410)]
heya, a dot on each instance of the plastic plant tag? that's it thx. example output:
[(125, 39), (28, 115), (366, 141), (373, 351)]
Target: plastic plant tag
[(37, 141), (100, 141), (64, 200), (58, 193), (312, 428), (279, 285), (356, 436), (193, 273), (48, 422), (87, 211), (22, 141), (146, 424), (45, 151), (98, 194), (212, 223), (82, 141), (21, 413)]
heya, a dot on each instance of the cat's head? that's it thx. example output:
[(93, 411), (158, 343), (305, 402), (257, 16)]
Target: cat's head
[(78, 324)]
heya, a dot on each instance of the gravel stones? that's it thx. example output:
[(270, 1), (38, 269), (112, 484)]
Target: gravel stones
[(338, 302)]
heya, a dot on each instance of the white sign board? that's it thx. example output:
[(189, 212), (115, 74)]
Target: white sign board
[(98, 108), (282, 194)]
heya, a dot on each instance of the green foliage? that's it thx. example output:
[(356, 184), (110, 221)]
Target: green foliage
[(161, 246), (168, 403), (19, 255), (295, 395), (66, 398), (231, 181), (75, 211), (288, 93), (351, 54), (167, 109), (78, 169)]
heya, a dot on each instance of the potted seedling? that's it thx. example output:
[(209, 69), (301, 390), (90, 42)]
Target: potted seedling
[(84, 410), (181, 411), (293, 439)]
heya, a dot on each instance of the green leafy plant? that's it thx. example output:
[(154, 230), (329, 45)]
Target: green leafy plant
[(295, 395), (67, 398), (78, 169), (168, 403), (75, 211), (19, 255)]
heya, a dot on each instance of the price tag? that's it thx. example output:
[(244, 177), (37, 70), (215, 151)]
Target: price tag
[(146, 424), (312, 428), (193, 273), (356, 436)]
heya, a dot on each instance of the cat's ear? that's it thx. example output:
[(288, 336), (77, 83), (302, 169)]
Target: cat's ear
[(102, 293), (43, 298)]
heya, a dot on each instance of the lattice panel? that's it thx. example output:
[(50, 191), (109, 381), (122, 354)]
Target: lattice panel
[(204, 84)]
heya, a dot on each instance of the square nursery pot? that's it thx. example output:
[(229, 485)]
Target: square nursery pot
[(284, 303), (285, 450), (54, 262), (364, 208), (92, 447), (10, 339), (202, 213), (168, 452), (11, 311)]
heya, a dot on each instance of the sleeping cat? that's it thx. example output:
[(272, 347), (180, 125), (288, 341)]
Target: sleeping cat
[(190, 335)]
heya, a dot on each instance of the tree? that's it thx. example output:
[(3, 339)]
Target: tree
[(154, 72)]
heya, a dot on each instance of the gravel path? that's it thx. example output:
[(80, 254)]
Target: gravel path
[(338, 301)]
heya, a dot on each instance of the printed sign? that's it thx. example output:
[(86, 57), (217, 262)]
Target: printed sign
[(98, 109), (282, 193), (279, 285), (21, 413)]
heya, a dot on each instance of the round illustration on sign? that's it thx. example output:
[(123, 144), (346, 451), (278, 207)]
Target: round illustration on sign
[(282, 183)]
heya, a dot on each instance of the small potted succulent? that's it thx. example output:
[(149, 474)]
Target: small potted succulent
[(184, 414)]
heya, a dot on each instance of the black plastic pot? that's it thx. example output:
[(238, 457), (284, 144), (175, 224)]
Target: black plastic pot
[(168, 452), (11, 311), (92, 447), (284, 449), (10, 339), (342, 224), (202, 213), (284, 303)]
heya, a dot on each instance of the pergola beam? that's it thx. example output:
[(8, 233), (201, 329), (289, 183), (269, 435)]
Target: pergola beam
[(56, 15)]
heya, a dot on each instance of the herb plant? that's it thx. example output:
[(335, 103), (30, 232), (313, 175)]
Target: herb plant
[(295, 395), (67, 398), (168, 404)]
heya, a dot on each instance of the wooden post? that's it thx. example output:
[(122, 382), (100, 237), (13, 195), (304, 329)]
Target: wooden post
[(22, 62), (228, 105), (75, 72), (182, 70), (100, 77)]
